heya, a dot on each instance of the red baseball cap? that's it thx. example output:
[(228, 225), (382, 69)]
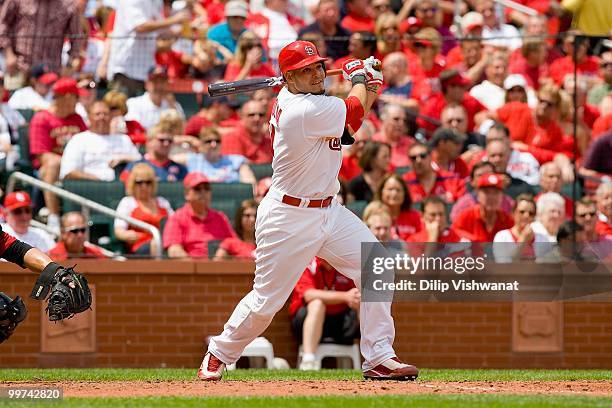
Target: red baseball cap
[(48, 78), (491, 180), (65, 86), (17, 199), (194, 179), (453, 77)]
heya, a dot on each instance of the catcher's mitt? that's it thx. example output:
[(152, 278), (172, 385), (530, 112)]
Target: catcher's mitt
[(69, 295), (12, 312)]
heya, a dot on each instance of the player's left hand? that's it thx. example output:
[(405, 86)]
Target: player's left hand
[(352, 68)]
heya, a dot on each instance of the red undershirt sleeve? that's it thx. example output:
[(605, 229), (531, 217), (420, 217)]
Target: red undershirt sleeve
[(354, 113)]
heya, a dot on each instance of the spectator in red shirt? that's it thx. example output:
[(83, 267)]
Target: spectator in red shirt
[(117, 103), (469, 199), (587, 65), (359, 17), (73, 240), (242, 246), (50, 130), (423, 181), (394, 133), (213, 113), (428, 66), (189, 229), (393, 192), (250, 139), (435, 228), (604, 208), (454, 86), (481, 222), (586, 216), (248, 61), (324, 306), (374, 162), (446, 150), (176, 63), (587, 113), (531, 62)]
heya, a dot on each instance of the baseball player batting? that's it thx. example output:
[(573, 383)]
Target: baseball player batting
[(68, 292), (300, 218)]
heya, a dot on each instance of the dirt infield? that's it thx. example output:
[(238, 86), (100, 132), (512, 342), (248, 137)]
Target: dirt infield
[(318, 388)]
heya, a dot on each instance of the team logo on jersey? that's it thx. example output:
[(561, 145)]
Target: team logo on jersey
[(309, 50), (334, 144)]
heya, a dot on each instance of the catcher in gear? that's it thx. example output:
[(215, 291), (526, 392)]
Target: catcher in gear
[(66, 290)]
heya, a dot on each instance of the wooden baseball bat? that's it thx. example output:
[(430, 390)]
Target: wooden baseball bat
[(252, 84)]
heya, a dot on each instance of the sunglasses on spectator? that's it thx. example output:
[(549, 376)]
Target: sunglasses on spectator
[(418, 156), (547, 103), (201, 187), (76, 230), (253, 114), (428, 10), (141, 182), (21, 211), (590, 214), (211, 141)]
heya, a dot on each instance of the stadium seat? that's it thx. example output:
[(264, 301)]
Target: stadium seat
[(566, 190), (357, 207), (402, 170), (213, 245), (261, 170), (24, 163), (189, 103)]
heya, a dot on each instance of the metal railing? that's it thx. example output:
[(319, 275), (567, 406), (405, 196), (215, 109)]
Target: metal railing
[(87, 204)]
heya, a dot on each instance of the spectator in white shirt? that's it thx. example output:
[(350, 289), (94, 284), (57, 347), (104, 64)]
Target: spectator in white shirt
[(18, 211), (501, 35), (550, 215), (94, 154), (132, 49), (147, 108), (491, 92), (38, 95)]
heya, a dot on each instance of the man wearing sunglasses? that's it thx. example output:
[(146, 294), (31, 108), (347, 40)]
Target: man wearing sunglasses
[(18, 209), (250, 139), (73, 239)]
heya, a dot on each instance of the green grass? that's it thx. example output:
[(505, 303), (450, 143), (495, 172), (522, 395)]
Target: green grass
[(392, 401), (181, 374)]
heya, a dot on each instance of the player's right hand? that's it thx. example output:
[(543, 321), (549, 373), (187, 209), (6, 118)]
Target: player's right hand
[(352, 68), (374, 75)]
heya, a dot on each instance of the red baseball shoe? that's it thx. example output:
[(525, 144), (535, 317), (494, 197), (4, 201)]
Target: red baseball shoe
[(211, 368), (392, 369)]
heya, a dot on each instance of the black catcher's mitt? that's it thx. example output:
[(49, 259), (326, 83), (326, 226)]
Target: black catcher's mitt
[(69, 295), (12, 312)]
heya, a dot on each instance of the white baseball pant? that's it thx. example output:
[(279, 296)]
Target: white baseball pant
[(287, 239)]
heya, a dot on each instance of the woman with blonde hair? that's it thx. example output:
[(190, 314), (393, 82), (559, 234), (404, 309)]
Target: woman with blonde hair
[(117, 103), (387, 34), (141, 203), (243, 245), (248, 62)]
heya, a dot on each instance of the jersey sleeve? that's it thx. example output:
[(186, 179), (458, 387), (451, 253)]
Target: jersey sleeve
[(324, 117)]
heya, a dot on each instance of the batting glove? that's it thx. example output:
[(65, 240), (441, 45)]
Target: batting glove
[(372, 62), (373, 76), (352, 68)]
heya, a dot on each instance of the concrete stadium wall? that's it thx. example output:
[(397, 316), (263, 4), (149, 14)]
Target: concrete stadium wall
[(159, 313)]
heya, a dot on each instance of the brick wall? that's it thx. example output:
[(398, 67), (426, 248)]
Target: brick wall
[(159, 313)]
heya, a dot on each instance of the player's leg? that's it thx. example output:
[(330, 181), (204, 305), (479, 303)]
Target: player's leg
[(287, 240), (342, 249)]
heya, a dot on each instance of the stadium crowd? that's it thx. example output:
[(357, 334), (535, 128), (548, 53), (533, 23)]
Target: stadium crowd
[(482, 131)]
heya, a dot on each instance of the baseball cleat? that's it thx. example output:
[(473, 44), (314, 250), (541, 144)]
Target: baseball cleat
[(392, 369), (211, 368)]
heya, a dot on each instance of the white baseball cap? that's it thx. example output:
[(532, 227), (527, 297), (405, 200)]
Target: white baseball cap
[(236, 8), (515, 80), (471, 21)]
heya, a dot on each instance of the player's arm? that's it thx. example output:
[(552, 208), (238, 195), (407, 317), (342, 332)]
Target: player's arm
[(365, 82)]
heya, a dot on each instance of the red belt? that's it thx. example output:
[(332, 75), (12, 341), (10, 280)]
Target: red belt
[(326, 202)]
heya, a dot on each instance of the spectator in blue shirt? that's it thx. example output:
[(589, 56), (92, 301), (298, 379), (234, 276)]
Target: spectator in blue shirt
[(227, 33)]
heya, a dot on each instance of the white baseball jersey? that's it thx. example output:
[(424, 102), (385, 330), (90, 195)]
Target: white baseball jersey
[(306, 131)]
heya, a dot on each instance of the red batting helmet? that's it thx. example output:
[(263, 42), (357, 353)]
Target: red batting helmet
[(297, 55)]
